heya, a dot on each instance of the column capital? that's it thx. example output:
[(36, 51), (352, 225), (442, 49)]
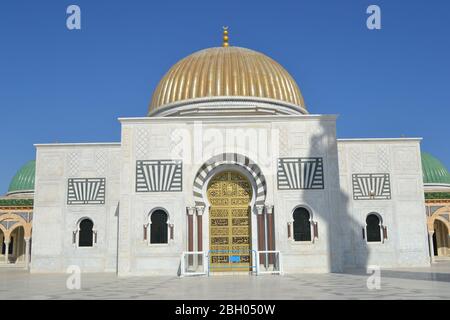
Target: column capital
[(260, 209), (190, 211), (200, 210), (269, 208), (27, 239)]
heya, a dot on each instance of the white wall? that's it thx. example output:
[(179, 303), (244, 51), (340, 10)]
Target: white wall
[(263, 140), (54, 220), (403, 214), (310, 137)]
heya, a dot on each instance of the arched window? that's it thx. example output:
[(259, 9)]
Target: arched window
[(158, 227), (86, 234), (373, 228), (302, 225)]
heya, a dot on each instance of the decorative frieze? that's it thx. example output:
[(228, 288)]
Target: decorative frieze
[(14, 203)]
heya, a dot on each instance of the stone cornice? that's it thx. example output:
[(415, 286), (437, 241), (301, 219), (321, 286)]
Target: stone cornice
[(277, 106), (93, 144), (232, 119), (356, 140)]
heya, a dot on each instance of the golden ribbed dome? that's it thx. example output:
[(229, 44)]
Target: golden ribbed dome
[(226, 72)]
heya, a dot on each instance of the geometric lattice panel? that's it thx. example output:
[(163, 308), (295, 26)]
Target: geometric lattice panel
[(159, 175), (300, 173), (86, 191), (371, 186)]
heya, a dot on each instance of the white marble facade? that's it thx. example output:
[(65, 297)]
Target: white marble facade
[(53, 248), (224, 143), (401, 212)]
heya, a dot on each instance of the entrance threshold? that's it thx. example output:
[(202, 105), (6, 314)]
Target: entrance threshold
[(197, 263)]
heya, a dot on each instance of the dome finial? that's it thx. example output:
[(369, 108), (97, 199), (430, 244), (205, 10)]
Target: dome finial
[(225, 36)]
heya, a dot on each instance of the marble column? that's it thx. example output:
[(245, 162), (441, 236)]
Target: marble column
[(190, 216), (261, 233), (200, 211), (171, 235), (6, 251), (431, 245), (27, 252), (270, 232), (289, 230), (146, 226)]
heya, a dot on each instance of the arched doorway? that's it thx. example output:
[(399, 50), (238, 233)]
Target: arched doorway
[(441, 239), (229, 194), (17, 245)]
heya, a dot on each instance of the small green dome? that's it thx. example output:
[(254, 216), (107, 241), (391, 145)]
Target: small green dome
[(433, 170), (23, 181)]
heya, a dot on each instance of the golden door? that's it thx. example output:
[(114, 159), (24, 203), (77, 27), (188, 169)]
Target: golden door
[(229, 194)]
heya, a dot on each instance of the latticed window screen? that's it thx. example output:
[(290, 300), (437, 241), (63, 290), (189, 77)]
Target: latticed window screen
[(302, 225), (159, 175), (300, 173), (86, 191), (376, 186)]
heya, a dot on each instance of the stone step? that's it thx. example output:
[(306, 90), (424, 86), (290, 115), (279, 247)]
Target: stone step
[(441, 258), (19, 265)]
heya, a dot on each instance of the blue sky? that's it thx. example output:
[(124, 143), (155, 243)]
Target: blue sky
[(58, 85)]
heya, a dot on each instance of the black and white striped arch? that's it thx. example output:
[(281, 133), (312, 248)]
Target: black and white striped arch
[(229, 159)]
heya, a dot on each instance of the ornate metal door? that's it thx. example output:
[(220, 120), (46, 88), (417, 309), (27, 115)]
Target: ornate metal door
[(229, 194)]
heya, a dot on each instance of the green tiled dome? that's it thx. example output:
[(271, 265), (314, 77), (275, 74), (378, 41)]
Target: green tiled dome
[(433, 170), (23, 181)]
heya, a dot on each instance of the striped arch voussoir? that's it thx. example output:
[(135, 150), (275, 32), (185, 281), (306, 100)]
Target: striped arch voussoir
[(226, 159)]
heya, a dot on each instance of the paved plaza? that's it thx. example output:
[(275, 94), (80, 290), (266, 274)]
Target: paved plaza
[(417, 283)]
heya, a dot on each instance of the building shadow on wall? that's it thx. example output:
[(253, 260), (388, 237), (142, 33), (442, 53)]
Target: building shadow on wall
[(347, 246)]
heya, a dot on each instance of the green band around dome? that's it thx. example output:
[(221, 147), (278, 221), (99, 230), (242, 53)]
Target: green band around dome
[(23, 181), (434, 172)]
